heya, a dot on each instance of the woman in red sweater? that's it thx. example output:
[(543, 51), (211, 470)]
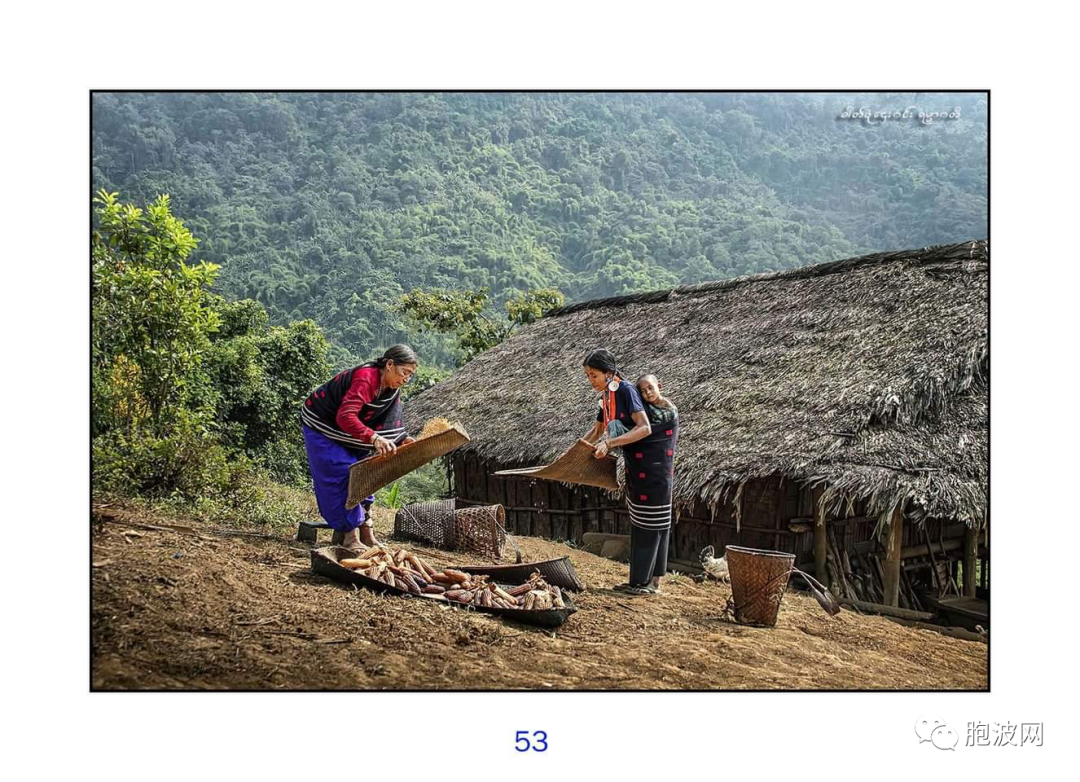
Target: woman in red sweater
[(356, 414)]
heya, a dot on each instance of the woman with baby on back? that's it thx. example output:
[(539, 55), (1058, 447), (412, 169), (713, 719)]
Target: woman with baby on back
[(647, 432)]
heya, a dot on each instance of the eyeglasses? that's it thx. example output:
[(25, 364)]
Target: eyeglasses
[(407, 375)]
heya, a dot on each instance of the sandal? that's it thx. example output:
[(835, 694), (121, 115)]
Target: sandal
[(644, 590)]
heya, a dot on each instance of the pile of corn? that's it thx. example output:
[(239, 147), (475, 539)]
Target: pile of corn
[(406, 571)]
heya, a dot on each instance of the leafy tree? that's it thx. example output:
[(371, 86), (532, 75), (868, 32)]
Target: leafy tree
[(190, 392), (466, 314), (151, 318), (261, 374)]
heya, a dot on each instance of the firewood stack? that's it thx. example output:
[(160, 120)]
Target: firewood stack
[(858, 576)]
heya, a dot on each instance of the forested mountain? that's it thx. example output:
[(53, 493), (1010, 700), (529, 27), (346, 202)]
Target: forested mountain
[(331, 206)]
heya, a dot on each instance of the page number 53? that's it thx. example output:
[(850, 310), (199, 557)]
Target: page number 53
[(538, 743)]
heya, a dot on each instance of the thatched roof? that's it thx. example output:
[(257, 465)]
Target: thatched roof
[(869, 375)]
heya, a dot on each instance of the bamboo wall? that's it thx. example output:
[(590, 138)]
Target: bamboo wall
[(769, 505)]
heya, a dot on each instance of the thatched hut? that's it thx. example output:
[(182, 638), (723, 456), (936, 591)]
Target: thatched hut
[(820, 409)]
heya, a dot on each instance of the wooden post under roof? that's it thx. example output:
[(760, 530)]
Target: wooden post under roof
[(820, 546), (971, 555), (894, 537)]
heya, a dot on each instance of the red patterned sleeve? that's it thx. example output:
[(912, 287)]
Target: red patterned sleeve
[(364, 388)]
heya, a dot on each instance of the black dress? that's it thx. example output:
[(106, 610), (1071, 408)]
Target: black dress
[(650, 473)]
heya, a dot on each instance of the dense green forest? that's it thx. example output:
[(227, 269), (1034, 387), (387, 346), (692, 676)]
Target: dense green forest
[(333, 206)]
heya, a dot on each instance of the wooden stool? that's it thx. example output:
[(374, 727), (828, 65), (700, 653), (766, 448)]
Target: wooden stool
[(309, 531)]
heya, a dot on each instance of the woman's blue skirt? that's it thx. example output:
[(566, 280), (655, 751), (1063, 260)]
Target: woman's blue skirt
[(330, 463)]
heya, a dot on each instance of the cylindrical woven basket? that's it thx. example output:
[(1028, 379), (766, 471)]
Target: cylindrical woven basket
[(428, 522), (480, 530), (758, 581)]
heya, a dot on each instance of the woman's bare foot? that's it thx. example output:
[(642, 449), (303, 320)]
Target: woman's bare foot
[(367, 535)]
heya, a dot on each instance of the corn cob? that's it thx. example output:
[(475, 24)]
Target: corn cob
[(501, 593), (485, 598), (556, 597), (520, 590), (434, 589), (456, 575), (530, 601), (418, 565), (453, 594), (355, 564)]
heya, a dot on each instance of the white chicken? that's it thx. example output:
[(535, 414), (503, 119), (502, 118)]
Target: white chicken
[(717, 567)]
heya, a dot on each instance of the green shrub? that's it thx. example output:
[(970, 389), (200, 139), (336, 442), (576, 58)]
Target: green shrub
[(184, 462), (285, 460)]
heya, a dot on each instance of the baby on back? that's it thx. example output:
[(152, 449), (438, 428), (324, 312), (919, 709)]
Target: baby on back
[(658, 408)]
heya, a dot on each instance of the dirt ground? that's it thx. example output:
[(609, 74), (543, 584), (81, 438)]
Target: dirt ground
[(177, 605)]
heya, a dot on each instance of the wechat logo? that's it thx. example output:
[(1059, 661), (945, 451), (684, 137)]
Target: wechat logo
[(934, 730)]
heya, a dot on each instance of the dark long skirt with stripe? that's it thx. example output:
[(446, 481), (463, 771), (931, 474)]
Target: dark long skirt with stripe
[(650, 473)]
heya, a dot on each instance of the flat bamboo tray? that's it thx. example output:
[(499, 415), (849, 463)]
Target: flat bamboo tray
[(576, 465), (368, 476), (324, 562), (557, 572)]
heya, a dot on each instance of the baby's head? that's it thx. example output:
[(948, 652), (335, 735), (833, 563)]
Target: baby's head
[(649, 386)]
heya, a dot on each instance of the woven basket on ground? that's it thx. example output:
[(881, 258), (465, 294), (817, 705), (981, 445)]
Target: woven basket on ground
[(439, 438), (431, 523), (758, 580), (481, 530), (576, 465)]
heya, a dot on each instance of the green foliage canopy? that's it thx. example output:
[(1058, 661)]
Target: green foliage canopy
[(333, 206), (150, 310), (467, 316)]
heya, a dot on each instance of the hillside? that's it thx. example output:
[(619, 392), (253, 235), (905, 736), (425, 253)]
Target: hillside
[(331, 206)]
